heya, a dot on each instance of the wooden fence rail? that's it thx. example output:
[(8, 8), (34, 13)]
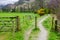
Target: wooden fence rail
[(7, 24)]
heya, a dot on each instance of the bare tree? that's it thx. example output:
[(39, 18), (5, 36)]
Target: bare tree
[(40, 3), (54, 5)]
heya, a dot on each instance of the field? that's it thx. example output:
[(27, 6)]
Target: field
[(25, 23)]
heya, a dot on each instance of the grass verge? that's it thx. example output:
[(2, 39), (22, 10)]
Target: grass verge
[(48, 24), (52, 34), (34, 34)]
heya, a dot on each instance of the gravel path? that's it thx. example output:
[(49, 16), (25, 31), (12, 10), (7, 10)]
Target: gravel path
[(44, 33)]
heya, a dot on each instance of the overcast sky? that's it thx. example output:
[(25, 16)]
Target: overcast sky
[(4, 2)]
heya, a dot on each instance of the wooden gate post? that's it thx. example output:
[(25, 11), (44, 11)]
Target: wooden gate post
[(17, 20), (55, 25), (35, 22), (52, 22)]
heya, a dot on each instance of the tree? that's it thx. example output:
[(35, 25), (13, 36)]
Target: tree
[(39, 3), (53, 5)]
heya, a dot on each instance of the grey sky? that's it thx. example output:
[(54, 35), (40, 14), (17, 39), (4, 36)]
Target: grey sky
[(4, 2)]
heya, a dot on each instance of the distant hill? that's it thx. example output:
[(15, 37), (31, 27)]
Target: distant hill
[(24, 4), (23, 1), (1, 6), (20, 2)]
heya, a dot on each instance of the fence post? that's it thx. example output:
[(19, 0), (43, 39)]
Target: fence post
[(52, 22), (17, 20), (35, 22), (55, 25)]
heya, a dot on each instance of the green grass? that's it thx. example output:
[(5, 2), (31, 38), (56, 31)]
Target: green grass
[(34, 34), (47, 23), (52, 34), (16, 36), (25, 24)]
